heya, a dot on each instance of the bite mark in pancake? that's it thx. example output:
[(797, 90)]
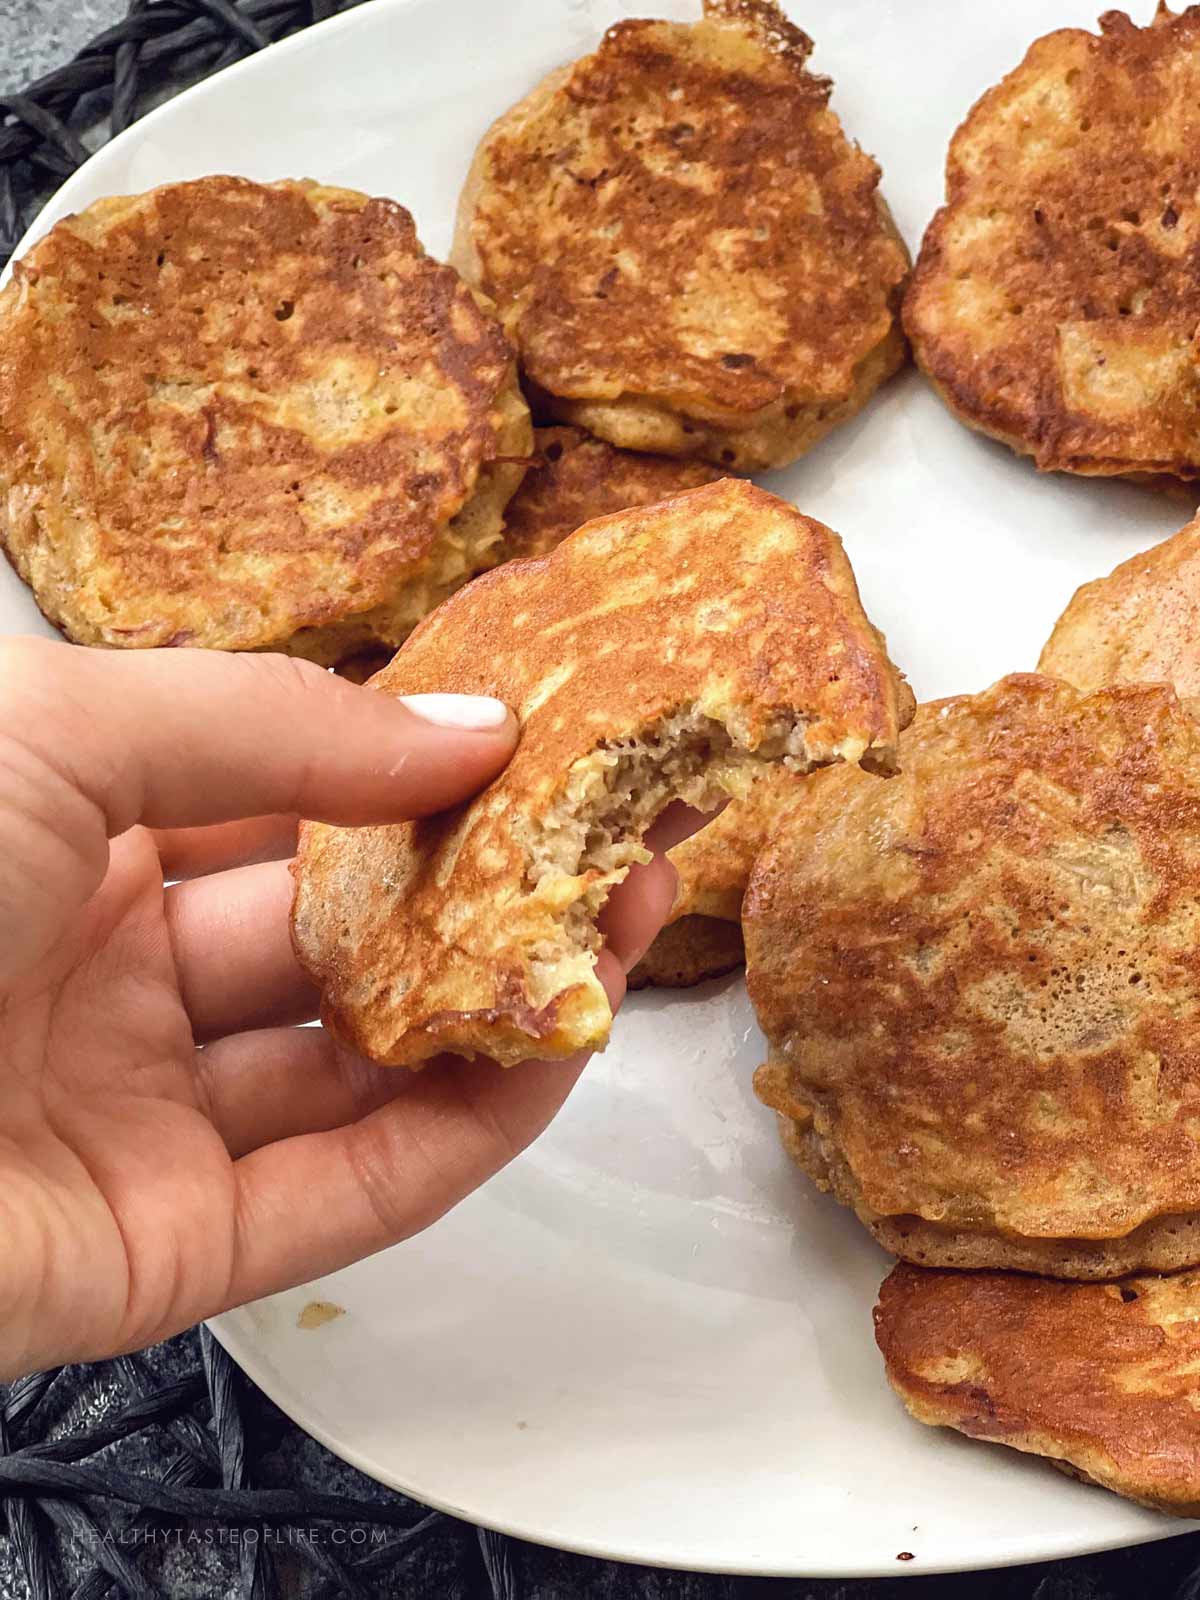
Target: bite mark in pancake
[(714, 868), (981, 984), (249, 416), (1055, 301), (1100, 1378), (657, 653), (688, 252)]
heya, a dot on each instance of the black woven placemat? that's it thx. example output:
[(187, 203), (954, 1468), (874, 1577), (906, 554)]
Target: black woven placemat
[(169, 1473), (165, 1473)]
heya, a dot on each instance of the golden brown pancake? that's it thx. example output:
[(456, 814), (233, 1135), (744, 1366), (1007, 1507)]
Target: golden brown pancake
[(1055, 301), (688, 951), (1141, 624), (248, 417), (1103, 1378), (656, 654), (575, 478), (980, 982), (687, 251)]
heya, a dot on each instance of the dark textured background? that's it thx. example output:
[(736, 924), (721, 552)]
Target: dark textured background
[(454, 1561), (451, 1562)]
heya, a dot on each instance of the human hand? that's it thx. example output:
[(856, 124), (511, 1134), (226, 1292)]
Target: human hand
[(171, 1143)]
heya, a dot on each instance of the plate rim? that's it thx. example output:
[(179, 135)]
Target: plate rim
[(343, 21)]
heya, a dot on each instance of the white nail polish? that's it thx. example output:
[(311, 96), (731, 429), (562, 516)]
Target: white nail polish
[(477, 713)]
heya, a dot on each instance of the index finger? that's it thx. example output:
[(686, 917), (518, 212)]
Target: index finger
[(185, 738)]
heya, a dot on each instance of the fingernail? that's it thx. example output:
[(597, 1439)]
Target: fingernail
[(478, 713)]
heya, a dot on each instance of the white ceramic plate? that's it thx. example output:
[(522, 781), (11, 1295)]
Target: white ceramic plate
[(650, 1338)]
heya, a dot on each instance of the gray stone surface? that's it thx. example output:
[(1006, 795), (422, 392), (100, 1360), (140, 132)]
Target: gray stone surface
[(36, 35)]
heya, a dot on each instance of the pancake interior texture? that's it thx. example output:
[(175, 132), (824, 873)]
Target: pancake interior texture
[(249, 416), (1055, 299), (980, 983), (658, 653), (1099, 1377), (688, 252), (703, 937), (1141, 624), (575, 478)]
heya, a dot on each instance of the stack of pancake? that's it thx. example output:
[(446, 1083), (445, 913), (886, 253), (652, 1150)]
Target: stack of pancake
[(260, 417), (1013, 1087), (987, 1043)]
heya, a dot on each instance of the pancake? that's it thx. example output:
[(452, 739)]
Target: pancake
[(1141, 624), (688, 951), (689, 254), (714, 865), (1104, 1379), (703, 939), (656, 654), (1055, 300), (575, 478), (249, 417), (980, 983)]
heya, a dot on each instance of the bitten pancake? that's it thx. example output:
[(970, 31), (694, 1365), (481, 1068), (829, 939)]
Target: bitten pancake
[(575, 478), (655, 654), (1141, 624), (250, 417), (703, 938), (1104, 1379), (688, 252), (980, 982), (1055, 301)]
